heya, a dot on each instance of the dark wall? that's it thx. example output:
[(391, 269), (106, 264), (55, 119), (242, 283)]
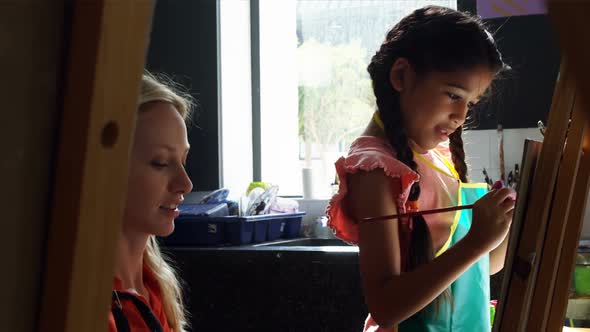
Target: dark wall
[(523, 97), (467, 6), (184, 45)]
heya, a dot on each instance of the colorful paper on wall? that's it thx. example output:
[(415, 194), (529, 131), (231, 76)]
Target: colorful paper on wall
[(503, 8)]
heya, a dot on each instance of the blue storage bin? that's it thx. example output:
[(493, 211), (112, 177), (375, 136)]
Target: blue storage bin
[(238, 230), (191, 230), (260, 231), (265, 227), (196, 231), (275, 229), (291, 227)]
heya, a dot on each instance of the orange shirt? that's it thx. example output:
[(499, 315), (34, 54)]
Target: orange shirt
[(136, 322)]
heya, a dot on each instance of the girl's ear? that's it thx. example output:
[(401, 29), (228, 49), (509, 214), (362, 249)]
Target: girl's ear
[(400, 73)]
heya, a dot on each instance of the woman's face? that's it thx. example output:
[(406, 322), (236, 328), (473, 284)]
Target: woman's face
[(157, 178), (436, 105)]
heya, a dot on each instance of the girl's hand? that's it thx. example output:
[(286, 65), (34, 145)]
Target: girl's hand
[(492, 216)]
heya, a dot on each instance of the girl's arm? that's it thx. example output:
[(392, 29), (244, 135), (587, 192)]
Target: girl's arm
[(392, 296), (498, 256)]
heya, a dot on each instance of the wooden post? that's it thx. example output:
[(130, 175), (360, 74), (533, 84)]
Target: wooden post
[(563, 212), (543, 288), (105, 61), (569, 18), (573, 226), (522, 280), (530, 158)]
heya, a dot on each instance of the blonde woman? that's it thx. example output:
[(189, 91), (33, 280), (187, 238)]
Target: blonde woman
[(146, 292)]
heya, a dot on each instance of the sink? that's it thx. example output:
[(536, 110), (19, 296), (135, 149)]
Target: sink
[(307, 242)]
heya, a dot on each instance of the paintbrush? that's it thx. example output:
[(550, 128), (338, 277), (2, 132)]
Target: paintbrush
[(497, 185), (419, 213), (501, 153)]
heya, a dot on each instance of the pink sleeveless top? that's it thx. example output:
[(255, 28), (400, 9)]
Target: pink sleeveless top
[(439, 188)]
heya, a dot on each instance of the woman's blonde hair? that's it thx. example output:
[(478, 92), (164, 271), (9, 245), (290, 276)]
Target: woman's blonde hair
[(163, 89)]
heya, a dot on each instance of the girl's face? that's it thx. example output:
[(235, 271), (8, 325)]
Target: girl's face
[(435, 105), (157, 178)]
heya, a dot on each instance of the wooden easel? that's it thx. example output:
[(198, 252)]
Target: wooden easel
[(105, 61), (542, 260)]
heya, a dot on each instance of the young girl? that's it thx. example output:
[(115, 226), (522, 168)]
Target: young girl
[(146, 292), (427, 273)]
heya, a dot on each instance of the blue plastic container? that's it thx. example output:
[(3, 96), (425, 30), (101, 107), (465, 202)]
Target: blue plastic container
[(200, 230), (291, 227), (266, 227), (260, 231), (196, 231), (275, 229), (238, 230), (286, 226)]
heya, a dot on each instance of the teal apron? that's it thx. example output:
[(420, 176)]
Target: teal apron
[(469, 311)]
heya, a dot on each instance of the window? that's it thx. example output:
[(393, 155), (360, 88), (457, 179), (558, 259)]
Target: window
[(236, 96), (315, 92)]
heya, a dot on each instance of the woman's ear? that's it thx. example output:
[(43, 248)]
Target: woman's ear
[(399, 74)]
